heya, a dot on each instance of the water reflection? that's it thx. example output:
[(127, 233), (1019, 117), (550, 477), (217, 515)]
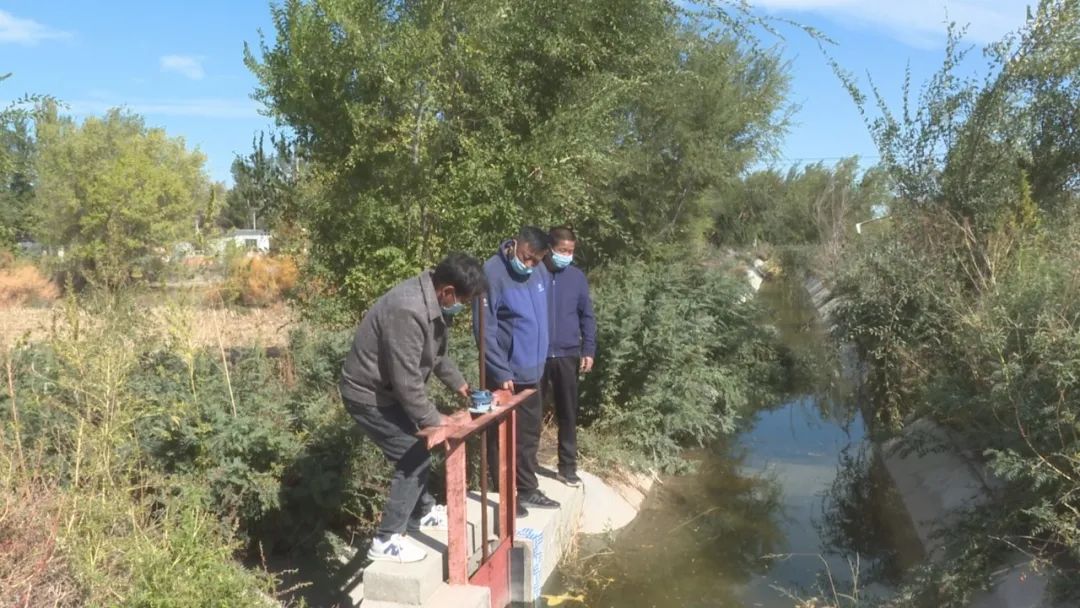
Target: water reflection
[(766, 514), (862, 518), (698, 539)]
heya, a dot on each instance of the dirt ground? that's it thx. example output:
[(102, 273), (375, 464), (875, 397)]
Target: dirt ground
[(237, 327)]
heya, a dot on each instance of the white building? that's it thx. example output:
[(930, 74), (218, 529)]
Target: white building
[(248, 239)]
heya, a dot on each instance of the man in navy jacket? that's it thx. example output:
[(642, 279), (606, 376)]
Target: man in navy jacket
[(515, 336), (572, 346)]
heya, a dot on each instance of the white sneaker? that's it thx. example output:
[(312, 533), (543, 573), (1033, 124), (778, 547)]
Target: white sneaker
[(435, 519), (396, 549)]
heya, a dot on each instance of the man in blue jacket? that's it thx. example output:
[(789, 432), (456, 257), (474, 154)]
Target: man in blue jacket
[(572, 346), (515, 335)]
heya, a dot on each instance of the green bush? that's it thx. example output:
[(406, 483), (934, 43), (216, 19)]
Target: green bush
[(998, 368), (683, 355), (165, 553), (894, 305), (171, 468)]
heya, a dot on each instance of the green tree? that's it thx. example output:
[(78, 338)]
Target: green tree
[(264, 185), (966, 308), (114, 193), (987, 157), (431, 126), (812, 205), (16, 172)]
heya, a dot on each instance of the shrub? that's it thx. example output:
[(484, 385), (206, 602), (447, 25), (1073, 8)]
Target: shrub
[(894, 303), (23, 285), (259, 280), (682, 357), (995, 363), (167, 468), (163, 551)]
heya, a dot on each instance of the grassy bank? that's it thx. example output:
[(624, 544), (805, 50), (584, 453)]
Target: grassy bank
[(153, 462)]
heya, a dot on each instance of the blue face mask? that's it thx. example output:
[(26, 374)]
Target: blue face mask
[(453, 309), (518, 266), (561, 260)]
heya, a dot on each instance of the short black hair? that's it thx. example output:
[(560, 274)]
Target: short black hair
[(463, 272), (534, 237), (559, 234)]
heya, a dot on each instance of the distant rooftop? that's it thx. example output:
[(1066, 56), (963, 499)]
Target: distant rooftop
[(249, 232)]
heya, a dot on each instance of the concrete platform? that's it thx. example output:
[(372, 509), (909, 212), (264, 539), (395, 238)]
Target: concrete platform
[(445, 596), (541, 539)]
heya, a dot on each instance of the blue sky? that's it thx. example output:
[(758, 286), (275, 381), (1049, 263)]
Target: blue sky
[(180, 63)]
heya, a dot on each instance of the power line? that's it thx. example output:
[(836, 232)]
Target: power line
[(819, 158)]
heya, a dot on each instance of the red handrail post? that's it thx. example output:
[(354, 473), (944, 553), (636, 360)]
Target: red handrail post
[(494, 570), (507, 473), (457, 551)]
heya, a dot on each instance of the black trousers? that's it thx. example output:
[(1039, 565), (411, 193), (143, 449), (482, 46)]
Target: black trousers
[(528, 442), (562, 375), (394, 432)]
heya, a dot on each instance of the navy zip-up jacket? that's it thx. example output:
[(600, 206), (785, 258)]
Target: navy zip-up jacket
[(572, 324), (515, 322)]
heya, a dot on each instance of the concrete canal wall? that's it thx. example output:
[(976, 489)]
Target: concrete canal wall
[(939, 484)]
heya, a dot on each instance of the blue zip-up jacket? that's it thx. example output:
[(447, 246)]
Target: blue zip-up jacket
[(515, 322), (572, 323)]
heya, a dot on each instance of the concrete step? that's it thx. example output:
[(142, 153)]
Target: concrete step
[(413, 584), (541, 539), (405, 584), (445, 596)]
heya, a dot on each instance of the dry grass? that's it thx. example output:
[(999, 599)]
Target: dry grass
[(32, 571), (24, 285), (258, 327), (260, 280)]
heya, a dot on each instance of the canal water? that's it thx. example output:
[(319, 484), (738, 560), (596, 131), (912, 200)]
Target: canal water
[(797, 506)]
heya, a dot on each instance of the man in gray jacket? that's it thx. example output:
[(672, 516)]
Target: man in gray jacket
[(401, 341)]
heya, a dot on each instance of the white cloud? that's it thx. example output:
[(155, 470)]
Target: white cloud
[(918, 22), (186, 65), (26, 31), (199, 107)]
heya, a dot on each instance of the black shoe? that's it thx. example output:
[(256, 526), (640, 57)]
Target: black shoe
[(521, 511), (570, 479), (537, 500)]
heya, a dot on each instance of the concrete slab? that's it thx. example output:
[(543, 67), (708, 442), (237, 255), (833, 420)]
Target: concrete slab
[(408, 584), (934, 486), (607, 507), (445, 596), (938, 485), (754, 278), (546, 532), (543, 537)]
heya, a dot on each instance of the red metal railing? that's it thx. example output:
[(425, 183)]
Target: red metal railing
[(494, 570)]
